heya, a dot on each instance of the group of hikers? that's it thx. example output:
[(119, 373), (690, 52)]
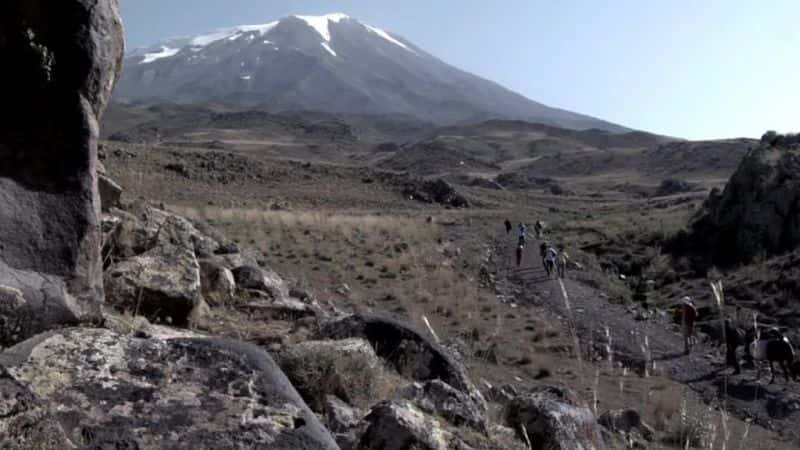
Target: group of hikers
[(554, 261), (771, 345)]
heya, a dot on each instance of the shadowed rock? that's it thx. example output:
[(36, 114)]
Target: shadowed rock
[(115, 391), (758, 213), (555, 419), (61, 61)]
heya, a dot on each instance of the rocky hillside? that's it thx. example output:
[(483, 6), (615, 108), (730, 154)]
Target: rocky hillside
[(331, 63), (757, 214)]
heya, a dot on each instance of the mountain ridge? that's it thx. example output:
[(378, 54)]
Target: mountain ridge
[(330, 63)]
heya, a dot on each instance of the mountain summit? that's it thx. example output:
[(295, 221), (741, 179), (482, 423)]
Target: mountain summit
[(331, 63)]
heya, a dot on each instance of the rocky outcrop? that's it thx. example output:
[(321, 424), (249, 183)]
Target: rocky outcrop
[(256, 278), (554, 418), (626, 421), (758, 213), (107, 390), (399, 425), (408, 351), (66, 57), (439, 398), (435, 191)]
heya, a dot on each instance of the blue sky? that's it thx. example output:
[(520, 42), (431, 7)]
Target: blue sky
[(698, 69)]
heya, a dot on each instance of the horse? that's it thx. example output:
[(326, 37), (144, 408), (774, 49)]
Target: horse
[(772, 350)]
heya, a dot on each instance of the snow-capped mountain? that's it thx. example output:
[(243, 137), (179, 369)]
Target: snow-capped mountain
[(330, 63)]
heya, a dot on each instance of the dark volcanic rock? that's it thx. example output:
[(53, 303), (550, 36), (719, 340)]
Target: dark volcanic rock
[(115, 391), (758, 213), (439, 398), (62, 60), (435, 191)]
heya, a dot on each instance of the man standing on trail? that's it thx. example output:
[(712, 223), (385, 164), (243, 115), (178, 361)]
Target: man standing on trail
[(538, 228), (508, 226), (550, 261), (734, 337), (523, 230), (688, 318), (562, 262), (542, 253), (520, 248)]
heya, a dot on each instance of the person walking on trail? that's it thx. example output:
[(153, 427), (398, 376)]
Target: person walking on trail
[(734, 337), (508, 226), (520, 248), (523, 230), (542, 253), (562, 262), (538, 228), (688, 319), (550, 261)]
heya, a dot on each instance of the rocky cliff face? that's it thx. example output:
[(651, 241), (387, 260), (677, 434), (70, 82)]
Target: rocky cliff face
[(61, 59), (758, 213)]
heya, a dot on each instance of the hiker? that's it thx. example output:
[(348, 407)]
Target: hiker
[(520, 248), (550, 261), (523, 230), (508, 226), (734, 337), (538, 227), (542, 253), (688, 318), (562, 262)]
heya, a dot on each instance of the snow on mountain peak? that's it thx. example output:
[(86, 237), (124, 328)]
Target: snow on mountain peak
[(231, 33), (389, 38), (165, 52), (320, 23)]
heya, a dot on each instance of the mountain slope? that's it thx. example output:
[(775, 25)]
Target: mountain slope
[(327, 63)]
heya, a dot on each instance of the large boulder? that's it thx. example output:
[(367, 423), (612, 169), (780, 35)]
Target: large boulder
[(399, 425), (410, 352), (264, 280), (554, 419), (25, 422), (108, 390), (63, 58), (439, 398), (758, 213)]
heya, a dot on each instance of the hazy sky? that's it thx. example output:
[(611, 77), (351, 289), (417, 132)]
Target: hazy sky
[(687, 68)]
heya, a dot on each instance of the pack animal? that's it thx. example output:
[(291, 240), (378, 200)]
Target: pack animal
[(772, 350)]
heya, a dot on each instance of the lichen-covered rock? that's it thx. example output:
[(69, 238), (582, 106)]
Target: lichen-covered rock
[(25, 423), (554, 418), (410, 352), (66, 56), (144, 227), (163, 283), (114, 391), (399, 425), (343, 421), (264, 280), (439, 398)]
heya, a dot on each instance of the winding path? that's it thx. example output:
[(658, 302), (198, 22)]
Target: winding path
[(635, 342)]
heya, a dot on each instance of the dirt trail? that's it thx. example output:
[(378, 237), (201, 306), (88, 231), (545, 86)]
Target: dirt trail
[(773, 406)]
